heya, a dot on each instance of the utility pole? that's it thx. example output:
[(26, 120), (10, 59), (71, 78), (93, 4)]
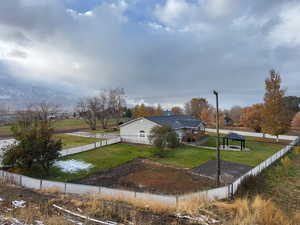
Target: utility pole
[(218, 138)]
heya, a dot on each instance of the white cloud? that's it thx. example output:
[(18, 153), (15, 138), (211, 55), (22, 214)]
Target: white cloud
[(182, 49), (287, 32), (173, 11), (219, 8)]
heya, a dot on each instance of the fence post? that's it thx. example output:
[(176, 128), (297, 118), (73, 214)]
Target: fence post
[(177, 200), (20, 180), (99, 189), (41, 184), (65, 187)]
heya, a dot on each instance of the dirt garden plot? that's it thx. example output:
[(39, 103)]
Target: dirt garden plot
[(147, 176)]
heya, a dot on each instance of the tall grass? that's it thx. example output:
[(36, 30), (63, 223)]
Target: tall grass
[(256, 212)]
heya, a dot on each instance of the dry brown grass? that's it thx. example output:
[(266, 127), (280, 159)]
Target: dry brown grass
[(192, 206), (155, 206), (296, 149), (31, 214), (7, 180), (52, 190), (257, 211)]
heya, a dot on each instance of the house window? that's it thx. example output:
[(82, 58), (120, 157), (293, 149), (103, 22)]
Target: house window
[(142, 133)]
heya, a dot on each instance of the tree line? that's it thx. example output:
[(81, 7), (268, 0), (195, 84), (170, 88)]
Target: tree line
[(275, 115)]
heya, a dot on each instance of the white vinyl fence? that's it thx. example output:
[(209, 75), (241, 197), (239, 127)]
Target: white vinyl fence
[(212, 194), (71, 151), (230, 190), (252, 134), (34, 183), (137, 140)]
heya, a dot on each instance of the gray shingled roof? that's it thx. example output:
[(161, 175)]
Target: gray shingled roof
[(179, 121), (235, 136)]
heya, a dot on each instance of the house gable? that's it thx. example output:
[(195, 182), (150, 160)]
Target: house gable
[(134, 128)]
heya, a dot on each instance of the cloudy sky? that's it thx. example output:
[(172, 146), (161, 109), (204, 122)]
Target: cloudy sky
[(160, 51)]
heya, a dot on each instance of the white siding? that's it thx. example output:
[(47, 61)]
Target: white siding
[(131, 132)]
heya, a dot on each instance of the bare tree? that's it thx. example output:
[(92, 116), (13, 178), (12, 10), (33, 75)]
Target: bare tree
[(104, 112), (27, 115), (235, 113), (116, 103), (46, 111), (110, 104), (88, 109), (43, 111)]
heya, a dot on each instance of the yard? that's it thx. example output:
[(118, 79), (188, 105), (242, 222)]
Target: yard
[(103, 158), (183, 157)]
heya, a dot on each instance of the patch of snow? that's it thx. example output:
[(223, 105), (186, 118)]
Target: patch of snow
[(72, 166), (19, 204), (1, 200), (6, 142)]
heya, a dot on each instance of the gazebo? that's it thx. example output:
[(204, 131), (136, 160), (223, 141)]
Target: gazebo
[(235, 137)]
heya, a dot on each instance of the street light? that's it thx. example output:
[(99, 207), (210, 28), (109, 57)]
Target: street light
[(218, 137)]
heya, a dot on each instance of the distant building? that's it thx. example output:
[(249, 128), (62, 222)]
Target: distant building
[(168, 113), (138, 130)]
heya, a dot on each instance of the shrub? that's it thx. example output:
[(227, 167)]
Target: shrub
[(36, 146), (164, 136)]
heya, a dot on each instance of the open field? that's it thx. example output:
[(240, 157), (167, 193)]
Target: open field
[(61, 125), (66, 124), (71, 141)]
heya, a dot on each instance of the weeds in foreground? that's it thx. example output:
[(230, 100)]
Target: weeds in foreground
[(33, 214), (257, 211)]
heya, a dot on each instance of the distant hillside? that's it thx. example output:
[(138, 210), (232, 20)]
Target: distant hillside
[(16, 93)]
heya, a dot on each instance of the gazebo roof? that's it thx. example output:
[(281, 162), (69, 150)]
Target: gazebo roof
[(235, 136)]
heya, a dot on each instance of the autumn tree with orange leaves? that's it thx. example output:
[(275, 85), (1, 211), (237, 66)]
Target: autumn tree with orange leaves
[(176, 110), (252, 117), (144, 111), (275, 120), (296, 121), (195, 106)]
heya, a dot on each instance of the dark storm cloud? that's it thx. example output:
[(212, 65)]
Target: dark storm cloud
[(178, 50)]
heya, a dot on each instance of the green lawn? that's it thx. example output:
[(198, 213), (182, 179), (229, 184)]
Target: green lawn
[(189, 157), (69, 124), (182, 157), (70, 141), (5, 130), (103, 158)]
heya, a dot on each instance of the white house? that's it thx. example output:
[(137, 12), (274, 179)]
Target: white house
[(138, 130)]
